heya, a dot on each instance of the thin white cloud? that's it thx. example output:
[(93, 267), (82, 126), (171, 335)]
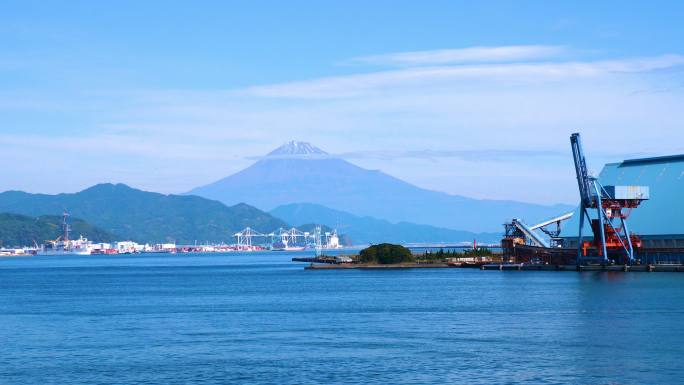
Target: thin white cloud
[(496, 155), (517, 73), (467, 155), (466, 55)]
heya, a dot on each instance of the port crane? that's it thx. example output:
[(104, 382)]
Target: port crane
[(518, 229), (244, 237), (609, 225), (557, 220), (288, 237)]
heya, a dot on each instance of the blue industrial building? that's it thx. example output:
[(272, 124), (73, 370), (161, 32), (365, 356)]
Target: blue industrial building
[(659, 221)]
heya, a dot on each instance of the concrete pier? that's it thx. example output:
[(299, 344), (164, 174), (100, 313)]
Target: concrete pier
[(615, 268)]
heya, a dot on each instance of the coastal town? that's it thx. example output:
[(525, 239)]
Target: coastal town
[(246, 240)]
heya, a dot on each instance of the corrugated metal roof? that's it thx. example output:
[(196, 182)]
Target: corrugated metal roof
[(661, 215), (656, 159)]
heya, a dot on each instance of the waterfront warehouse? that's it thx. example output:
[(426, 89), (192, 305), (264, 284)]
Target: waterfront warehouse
[(659, 221)]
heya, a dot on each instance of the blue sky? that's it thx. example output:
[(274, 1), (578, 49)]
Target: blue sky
[(452, 96)]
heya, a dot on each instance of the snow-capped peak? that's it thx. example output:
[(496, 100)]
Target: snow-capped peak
[(296, 149)]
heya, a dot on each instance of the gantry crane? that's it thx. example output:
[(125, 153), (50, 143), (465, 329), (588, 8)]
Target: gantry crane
[(609, 202), (244, 237)]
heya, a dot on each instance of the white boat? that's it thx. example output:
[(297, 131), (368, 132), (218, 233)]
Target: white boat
[(80, 246), (283, 245), (65, 246)]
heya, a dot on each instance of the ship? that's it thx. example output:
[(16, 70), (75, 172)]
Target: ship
[(283, 246), (63, 245)]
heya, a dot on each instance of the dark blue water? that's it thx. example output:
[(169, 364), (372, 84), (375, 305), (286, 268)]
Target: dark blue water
[(259, 318)]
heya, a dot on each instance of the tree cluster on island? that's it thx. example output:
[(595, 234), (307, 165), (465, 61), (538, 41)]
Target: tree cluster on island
[(442, 255), (385, 254)]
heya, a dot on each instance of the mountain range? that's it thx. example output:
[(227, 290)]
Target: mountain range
[(145, 216), (368, 230), (117, 211), (301, 185), (301, 172)]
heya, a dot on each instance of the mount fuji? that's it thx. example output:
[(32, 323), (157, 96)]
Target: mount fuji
[(299, 172)]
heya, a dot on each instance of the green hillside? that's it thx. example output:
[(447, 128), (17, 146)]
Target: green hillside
[(22, 230), (143, 216)]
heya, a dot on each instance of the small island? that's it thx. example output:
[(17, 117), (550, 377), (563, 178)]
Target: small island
[(391, 256)]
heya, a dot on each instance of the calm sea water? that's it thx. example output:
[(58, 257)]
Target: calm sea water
[(259, 318)]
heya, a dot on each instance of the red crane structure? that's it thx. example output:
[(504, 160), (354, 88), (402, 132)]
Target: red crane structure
[(613, 204)]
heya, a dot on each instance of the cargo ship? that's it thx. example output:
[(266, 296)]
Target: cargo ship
[(284, 246)]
